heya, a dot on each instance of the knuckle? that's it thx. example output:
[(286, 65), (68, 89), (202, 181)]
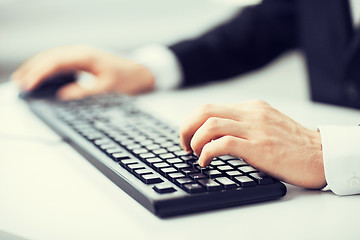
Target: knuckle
[(205, 110), (262, 115), (260, 103), (206, 152), (267, 145), (229, 142), (212, 123)]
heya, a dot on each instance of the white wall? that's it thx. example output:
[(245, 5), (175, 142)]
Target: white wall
[(29, 26)]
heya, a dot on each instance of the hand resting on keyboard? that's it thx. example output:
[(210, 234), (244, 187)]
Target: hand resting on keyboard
[(267, 139), (112, 73)]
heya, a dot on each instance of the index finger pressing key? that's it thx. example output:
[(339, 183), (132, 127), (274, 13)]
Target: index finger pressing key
[(199, 117)]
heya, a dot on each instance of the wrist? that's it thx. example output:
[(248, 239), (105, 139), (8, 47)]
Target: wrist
[(316, 163), (146, 77)]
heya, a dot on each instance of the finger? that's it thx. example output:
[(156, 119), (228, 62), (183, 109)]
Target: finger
[(214, 128), (43, 65), (223, 146), (18, 75), (76, 91), (44, 70), (198, 118)]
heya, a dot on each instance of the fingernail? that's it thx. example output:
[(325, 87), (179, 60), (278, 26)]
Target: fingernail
[(200, 163)]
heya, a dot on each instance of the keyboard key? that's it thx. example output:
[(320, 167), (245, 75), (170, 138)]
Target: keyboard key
[(151, 161), (233, 174), (261, 178), (213, 173), (245, 181), (226, 183), (247, 169), (167, 144), (189, 159), (181, 165), (225, 168), (173, 161), (174, 148), (160, 151), (182, 181), (140, 150), (176, 175), (120, 156), (93, 136), (160, 140), (153, 147), (150, 178), (196, 165), (127, 143), (188, 171), (236, 163), (210, 184), (146, 155), (139, 172), (166, 155), (166, 171), (197, 176), (160, 165), (203, 169), (164, 188), (134, 146), (114, 150), (108, 146), (102, 141), (217, 163), (193, 188), (227, 157), (125, 162), (181, 153), (133, 167)]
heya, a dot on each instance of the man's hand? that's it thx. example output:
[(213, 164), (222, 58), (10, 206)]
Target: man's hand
[(262, 136), (112, 73)]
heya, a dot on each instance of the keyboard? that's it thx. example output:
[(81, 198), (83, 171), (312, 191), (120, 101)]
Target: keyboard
[(141, 154)]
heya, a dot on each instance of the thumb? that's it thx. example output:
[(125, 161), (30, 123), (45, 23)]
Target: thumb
[(74, 91)]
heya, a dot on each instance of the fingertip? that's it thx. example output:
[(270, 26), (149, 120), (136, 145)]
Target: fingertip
[(65, 95), (72, 91), (15, 76), (200, 163), (182, 143)]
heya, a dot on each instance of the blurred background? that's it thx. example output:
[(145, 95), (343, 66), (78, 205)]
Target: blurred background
[(30, 26)]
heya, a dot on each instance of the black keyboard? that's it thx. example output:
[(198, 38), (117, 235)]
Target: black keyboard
[(142, 156)]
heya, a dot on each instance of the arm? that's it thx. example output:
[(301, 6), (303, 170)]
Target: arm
[(250, 40)]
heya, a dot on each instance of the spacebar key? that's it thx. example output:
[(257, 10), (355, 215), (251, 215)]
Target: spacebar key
[(150, 178)]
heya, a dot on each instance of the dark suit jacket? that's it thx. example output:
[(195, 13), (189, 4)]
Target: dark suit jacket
[(321, 29)]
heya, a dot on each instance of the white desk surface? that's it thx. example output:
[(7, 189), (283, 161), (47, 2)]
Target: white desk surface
[(48, 191)]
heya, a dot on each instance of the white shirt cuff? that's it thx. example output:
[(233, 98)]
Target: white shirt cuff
[(341, 156), (162, 63)]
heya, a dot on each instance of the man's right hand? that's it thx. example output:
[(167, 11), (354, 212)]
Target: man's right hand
[(112, 73)]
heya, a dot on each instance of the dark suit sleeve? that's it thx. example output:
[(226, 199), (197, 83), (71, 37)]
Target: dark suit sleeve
[(250, 40)]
